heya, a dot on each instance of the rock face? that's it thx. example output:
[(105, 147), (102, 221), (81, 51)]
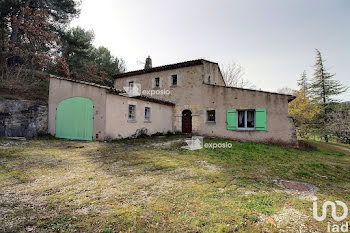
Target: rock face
[(21, 118)]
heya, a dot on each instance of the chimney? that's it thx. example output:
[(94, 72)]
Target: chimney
[(148, 63)]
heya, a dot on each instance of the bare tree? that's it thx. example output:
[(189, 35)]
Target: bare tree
[(233, 74), (339, 124), (285, 90)]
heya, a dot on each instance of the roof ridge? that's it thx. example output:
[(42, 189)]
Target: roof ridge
[(113, 90), (164, 67)]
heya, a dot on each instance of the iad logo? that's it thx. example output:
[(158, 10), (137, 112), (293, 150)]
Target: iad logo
[(335, 227), (333, 208)]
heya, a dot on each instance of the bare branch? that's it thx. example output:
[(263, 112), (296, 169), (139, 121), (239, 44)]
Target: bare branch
[(234, 76)]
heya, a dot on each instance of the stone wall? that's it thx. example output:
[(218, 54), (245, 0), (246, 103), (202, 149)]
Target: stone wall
[(61, 89), (194, 93), (21, 118)]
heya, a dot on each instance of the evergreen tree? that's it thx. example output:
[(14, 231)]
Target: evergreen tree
[(303, 83), (323, 88), (59, 14), (77, 48), (108, 64), (87, 62), (60, 11)]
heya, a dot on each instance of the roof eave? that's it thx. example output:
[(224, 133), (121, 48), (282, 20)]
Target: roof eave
[(291, 98), (161, 68)]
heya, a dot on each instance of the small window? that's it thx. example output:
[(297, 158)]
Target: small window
[(211, 116), (241, 119), (132, 112), (174, 80), (209, 79), (246, 119), (250, 119), (147, 113), (131, 84), (156, 82)]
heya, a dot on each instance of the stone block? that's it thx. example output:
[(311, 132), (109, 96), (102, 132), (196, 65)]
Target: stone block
[(20, 118)]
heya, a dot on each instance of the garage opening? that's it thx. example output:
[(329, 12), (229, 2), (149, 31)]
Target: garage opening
[(74, 119)]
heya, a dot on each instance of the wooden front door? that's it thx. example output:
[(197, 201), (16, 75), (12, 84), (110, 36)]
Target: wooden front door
[(186, 121)]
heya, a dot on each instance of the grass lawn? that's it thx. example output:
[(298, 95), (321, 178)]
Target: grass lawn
[(146, 185)]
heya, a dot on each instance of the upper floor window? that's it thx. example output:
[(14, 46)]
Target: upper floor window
[(132, 112), (209, 79), (156, 82), (174, 80), (210, 115), (246, 119), (147, 113)]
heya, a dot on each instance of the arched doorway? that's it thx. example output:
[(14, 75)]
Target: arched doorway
[(186, 121), (74, 118)]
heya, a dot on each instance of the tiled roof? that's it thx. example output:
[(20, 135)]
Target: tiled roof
[(291, 97), (161, 68), (112, 90), (80, 81)]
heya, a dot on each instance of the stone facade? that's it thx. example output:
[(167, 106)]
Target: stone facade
[(63, 89), (20, 118), (110, 110), (201, 87)]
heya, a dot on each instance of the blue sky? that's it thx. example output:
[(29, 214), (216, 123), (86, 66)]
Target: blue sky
[(273, 40)]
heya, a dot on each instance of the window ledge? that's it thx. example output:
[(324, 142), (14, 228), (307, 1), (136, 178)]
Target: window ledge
[(246, 130), (131, 121), (211, 122)]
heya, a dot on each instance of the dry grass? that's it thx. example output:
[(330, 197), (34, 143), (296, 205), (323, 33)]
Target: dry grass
[(146, 185)]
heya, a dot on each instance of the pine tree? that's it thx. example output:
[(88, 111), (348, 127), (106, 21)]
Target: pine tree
[(303, 83), (323, 88)]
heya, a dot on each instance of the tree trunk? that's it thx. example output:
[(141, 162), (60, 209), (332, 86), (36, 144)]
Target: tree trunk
[(326, 138), (32, 70), (14, 34), (15, 27), (324, 106)]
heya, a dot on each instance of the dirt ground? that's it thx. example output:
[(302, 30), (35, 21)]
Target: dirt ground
[(152, 185)]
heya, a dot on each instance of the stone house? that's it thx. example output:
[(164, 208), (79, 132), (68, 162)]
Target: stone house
[(188, 97)]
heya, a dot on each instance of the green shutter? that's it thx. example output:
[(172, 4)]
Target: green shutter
[(74, 118), (260, 115), (231, 119)]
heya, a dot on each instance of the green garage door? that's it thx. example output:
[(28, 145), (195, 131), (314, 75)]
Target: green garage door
[(74, 118)]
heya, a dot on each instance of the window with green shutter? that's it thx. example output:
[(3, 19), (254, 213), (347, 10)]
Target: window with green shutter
[(260, 115), (245, 119), (231, 119)]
